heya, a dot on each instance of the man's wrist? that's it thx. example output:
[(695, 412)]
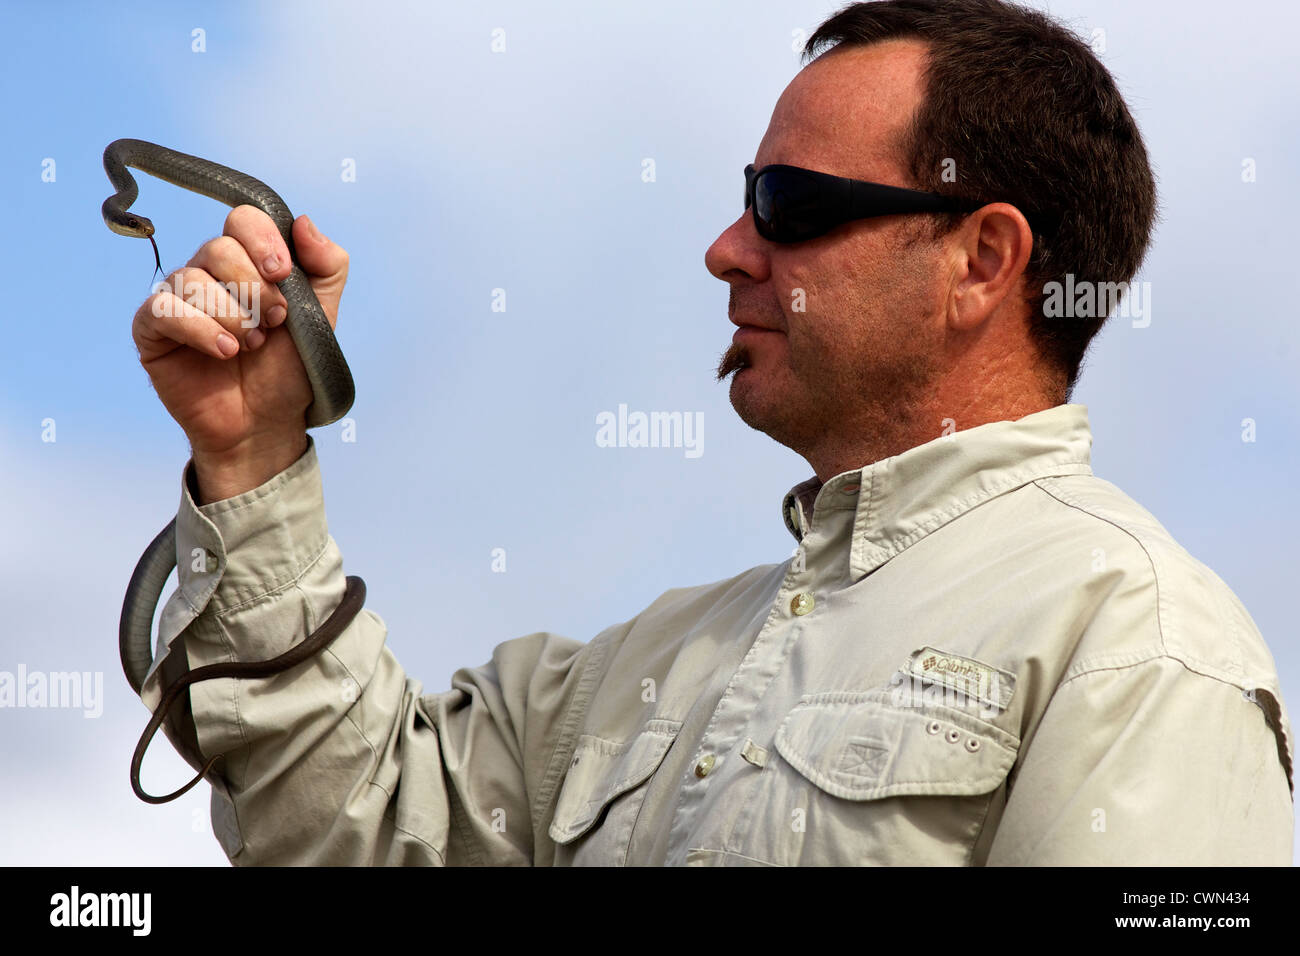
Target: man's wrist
[(229, 473)]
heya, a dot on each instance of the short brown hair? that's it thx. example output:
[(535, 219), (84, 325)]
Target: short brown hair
[(1031, 117)]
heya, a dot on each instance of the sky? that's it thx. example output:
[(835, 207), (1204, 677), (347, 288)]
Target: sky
[(522, 169)]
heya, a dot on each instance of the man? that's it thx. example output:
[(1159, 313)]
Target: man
[(979, 654)]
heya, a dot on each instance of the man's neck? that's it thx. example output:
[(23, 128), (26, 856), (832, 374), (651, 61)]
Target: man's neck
[(877, 434)]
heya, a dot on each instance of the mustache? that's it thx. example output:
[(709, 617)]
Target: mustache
[(733, 360)]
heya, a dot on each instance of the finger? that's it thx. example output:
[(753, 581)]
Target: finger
[(324, 261), (200, 290), (256, 232), (227, 261), (166, 322)]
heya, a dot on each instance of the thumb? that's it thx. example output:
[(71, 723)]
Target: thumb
[(325, 263)]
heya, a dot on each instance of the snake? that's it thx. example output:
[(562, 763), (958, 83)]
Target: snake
[(333, 393)]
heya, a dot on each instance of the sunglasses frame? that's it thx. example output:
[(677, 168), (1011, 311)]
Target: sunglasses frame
[(843, 200)]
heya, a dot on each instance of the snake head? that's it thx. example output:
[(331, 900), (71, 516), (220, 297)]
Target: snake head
[(128, 224)]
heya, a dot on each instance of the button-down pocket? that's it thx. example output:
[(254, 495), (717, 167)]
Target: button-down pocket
[(604, 788), (857, 748), (864, 781)]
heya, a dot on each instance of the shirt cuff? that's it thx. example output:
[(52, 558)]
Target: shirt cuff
[(234, 551)]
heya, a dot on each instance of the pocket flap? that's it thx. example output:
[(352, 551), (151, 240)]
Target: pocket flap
[(857, 747), (601, 770)]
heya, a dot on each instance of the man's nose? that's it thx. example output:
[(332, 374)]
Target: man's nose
[(740, 251)]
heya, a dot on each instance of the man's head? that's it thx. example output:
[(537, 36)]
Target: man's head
[(885, 323)]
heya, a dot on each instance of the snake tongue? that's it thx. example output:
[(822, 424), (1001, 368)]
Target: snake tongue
[(157, 261)]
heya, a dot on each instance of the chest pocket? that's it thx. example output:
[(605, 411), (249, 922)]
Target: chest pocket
[(867, 760), (857, 748), (604, 788)]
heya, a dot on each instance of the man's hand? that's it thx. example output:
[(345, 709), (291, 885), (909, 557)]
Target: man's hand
[(232, 378)]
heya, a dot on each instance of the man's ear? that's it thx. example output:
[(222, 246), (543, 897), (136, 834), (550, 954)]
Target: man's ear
[(993, 250)]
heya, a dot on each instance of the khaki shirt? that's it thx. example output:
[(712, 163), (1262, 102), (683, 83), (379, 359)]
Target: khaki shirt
[(979, 653)]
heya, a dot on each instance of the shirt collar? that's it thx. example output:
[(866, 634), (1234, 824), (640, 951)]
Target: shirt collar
[(899, 500)]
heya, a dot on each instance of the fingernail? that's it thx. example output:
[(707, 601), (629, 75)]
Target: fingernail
[(315, 233), (275, 315), (271, 263), (227, 344), (255, 338)]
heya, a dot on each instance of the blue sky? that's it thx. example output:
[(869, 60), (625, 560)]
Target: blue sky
[(522, 170)]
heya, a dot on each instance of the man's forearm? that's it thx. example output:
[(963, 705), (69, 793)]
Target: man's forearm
[(229, 473), (302, 751)]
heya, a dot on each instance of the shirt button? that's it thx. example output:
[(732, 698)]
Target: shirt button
[(802, 603), (704, 766)]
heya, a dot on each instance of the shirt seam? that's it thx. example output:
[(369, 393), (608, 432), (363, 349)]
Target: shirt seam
[(645, 787), (1227, 621), (347, 714), (1075, 673), (442, 860), (391, 817), (724, 852), (459, 819), (1155, 574), (574, 712), (988, 808)]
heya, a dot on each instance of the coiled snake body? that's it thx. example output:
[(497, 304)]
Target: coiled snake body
[(332, 395)]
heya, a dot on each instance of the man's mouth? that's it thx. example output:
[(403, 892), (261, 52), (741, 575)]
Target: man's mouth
[(747, 331), (750, 324)]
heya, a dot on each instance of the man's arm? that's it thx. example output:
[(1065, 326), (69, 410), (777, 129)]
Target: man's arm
[(342, 760), (1148, 763), (339, 760)]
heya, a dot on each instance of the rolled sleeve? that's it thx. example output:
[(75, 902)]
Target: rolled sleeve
[(236, 551)]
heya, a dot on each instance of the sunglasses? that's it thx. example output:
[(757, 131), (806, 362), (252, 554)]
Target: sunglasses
[(792, 204)]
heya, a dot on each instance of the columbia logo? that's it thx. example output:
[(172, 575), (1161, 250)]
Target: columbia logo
[(929, 662)]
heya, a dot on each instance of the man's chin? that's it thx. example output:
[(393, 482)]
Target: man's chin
[(747, 398), (751, 390)]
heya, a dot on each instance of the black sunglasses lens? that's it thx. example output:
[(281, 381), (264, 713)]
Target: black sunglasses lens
[(790, 207)]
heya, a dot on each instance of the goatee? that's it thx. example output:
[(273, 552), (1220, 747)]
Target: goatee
[(733, 360)]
